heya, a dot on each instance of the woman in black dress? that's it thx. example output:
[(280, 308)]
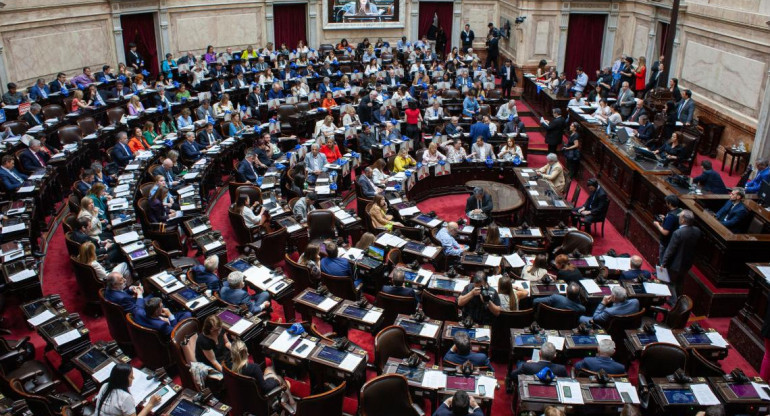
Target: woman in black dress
[(212, 347), (572, 150)]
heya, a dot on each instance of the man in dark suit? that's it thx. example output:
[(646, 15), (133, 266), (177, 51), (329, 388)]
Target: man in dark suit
[(32, 158), (479, 202), (637, 112), (391, 79), (240, 68), (60, 83), (204, 274), (466, 37), (397, 288), (686, 108), (33, 116), (554, 131), (39, 91), (515, 126), (367, 107), (656, 80), (11, 178), (635, 271), (734, 215), (603, 360), (571, 301), (710, 180), (508, 76), (190, 149), (166, 169), (459, 404), (256, 98), (133, 59), (646, 131), (131, 298), (461, 352), (493, 49), (157, 317), (81, 235), (219, 87), (479, 129), (218, 71), (120, 91), (163, 98), (595, 207), (246, 171), (208, 136), (326, 86), (121, 153), (367, 185), (530, 368), (327, 70), (613, 305), (233, 292), (680, 252)]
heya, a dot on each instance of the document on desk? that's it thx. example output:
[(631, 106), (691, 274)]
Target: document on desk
[(493, 260), (241, 326), (428, 330), (127, 237), (514, 260), (765, 270), (327, 304), (569, 392), (665, 335), (704, 395), (592, 261), (590, 286), (600, 338), (356, 253), (489, 384), (628, 388), (372, 316), (22, 275), (405, 212), (536, 232), (434, 379), (716, 339), (41, 318), (284, 342), (761, 390), (483, 332), (103, 374), (558, 342), (198, 303), (617, 263), (350, 362), (66, 337), (430, 251), (657, 289), (142, 387)]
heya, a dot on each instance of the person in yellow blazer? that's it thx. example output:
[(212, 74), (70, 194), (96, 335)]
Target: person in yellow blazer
[(553, 172), (403, 161), (379, 215)]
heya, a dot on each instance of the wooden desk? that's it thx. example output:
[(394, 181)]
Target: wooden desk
[(637, 339), (188, 396), (480, 336), (426, 334), (329, 364), (741, 398), (350, 315), (544, 206), (441, 284), (506, 199), (745, 332), (544, 101), (535, 396), (310, 303), (664, 394)]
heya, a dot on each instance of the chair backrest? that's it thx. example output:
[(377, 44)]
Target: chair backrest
[(584, 372), (286, 110), (69, 222), (326, 403), (253, 191), (53, 111), (164, 259), (679, 315), (18, 127), (616, 328), (660, 359), (393, 257), (502, 325), (69, 134), (87, 125), (320, 224), (578, 240), (168, 240), (232, 186), (38, 405), (361, 204), (242, 232), (237, 388), (549, 317), (341, 286), (501, 249), (412, 233), (183, 340), (149, 345), (116, 320), (145, 188), (575, 194), (299, 274), (88, 282), (142, 206), (700, 366), (386, 395), (393, 305), (115, 114), (73, 247), (273, 247), (439, 308), (390, 342)]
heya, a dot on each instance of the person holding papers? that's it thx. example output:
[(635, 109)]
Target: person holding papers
[(461, 352), (635, 271), (447, 238), (603, 360), (233, 292), (613, 305), (530, 368), (554, 130), (205, 274), (114, 398), (478, 203), (479, 300)]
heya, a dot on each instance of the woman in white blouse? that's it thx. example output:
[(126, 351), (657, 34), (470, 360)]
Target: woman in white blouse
[(378, 172), (432, 155), (327, 127), (89, 211), (372, 68), (350, 119), (302, 48), (509, 150), (87, 255), (267, 77), (603, 111), (401, 94), (114, 398), (246, 209), (223, 106)]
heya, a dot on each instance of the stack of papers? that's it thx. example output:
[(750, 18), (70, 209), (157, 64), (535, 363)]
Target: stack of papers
[(665, 335), (141, 387), (22, 275), (704, 395), (391, 240), (492, 260), (514, 260), (241, 326), (617, 263), (657, 289), (434, 379), (350, 362)]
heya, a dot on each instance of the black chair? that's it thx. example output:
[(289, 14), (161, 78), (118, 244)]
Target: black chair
[(239, 387), (387, 395), (549, 317), (116, 322), (676, 317), (327, 403), (700, 366), (88, 283), (439, 308), (270, 249), (320, 224), (393, 305), (341, 286), (500, 344), (575, 240), (299, 274), (391, 342), (150, 345)]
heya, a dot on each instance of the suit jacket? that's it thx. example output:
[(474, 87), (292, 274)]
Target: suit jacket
[(530, 369), (169, 175), (560, 302), (680, 250), (634, 274), (126, 300), (476, 358), (31, 120), (636, 113), (480, 129), (399, 291), (504, 76), (513, 127), (655, 80), (486, 204), (626, 101), (238, 297), (556, 175), (554, 131), (365, 113), (246, 173), (29, 162), (54, 86), (598, 363), (467, 38), (323, 88), (217, 89), (685, 110), (254, 100), (205, 277), (122, 155), (367, 186), (9, 182), (133, 59), (603, 313), (646, 132), (711, 181), (389, 81), (115, 92), (36, 93), (157, 324), (203, 113), (734, 217), (597, 202), (203, 138), (191, 150)]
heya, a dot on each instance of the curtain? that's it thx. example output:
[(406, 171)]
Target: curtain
[(444, 11), (584, 44), (663, 37), (290, 21), (140, 29)]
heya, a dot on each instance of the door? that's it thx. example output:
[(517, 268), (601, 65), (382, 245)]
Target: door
[(434, 15), (140, 29), (585, 38), (290, 22)]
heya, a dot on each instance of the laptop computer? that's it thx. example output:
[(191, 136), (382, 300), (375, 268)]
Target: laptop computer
[(373, 258)]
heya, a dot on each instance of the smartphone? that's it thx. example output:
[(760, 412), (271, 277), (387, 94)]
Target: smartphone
[(482, 339), (482, 390), (301, 348), (567, 392)]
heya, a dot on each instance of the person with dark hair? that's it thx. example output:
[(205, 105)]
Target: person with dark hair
[(245, 207), (686, 108), (670, 222), (82, 234), (572, 150), (710, 180), (646, 131), (460, 404), (11, 178), (133, 59), (413, 117), (397, 288), (571, 301), (554, 130), (114, 398), (334, 265), (734, 215), (157, 317), (461, 352), (476, 300), (669, 126), (157, 211), (566, 270), (304, 205), (595, 206), (479, 202)]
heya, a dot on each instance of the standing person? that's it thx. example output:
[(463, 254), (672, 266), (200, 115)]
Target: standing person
[(554, 130), (640, 73), (441, 42), (680, 253), (669, 224), (508, 75), (466, 37), (493, 40), (572, 150), (413, 118)]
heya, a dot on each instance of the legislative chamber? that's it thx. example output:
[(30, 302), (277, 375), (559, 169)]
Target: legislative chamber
[(384, 208)]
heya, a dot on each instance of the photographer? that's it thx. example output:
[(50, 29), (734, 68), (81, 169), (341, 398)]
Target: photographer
[(480, 301)]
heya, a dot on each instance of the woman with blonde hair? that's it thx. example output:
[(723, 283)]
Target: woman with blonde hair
[(327, 128), (89, 211), (403, 161), (379, 214), (365, 241), (640, 73), (87, 255), (432, 155), (135, 106), (78, 103), (149, 132), (224, 106), (266, 380)]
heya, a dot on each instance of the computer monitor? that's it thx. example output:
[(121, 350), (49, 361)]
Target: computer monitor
[(623, 136), (645, 153), (764, 193), (376, 253)]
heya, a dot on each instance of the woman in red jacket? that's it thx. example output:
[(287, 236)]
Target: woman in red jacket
[(331, 150), (641, 74)]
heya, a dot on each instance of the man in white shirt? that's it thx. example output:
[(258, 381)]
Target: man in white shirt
[(506, 111), (314, 163), (492, 126), (482, 151), (581, 81), (577, 100)]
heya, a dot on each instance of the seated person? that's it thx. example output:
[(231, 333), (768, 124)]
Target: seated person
[(432, 155), (673, 151), (447, 238), (190, 149), (566, 271), (397, 288), (479, 202), (122, 155), (734, 215), (333, 264), (482, 151), (553, 172), (11, 178), (571, 301), (233, 291), (303, 206), (157, 317), (460, 404), (266, 380), (158, 211), (379, 214), (403, 161), (530, 368), (710, 180), (87, 255), (636, 270), (537, 269), (246, 171), (116, 290), (245, 207), (763, 175), (595, 207), (621, 305), (510, 293), (479, 300), (646, 131), (461, 352), (212, 347), (603, 360), (114, 399), (331, 150), (367, 185), (205, 274), (103, 247)]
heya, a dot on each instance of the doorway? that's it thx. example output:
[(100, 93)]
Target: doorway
[(140, 30), (290, 22)]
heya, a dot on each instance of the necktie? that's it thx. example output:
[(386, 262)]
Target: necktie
[(43, 93), (681, 107), (211, 138), (128, 150), (550, 167)]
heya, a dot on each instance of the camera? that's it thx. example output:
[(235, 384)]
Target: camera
[(519, 20), (486, 296)]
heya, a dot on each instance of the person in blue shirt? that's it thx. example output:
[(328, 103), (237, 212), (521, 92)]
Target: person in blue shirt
[(480, 129), (636, 270), (461, 352), (233, 291), (334, 265), (734, 215), (11, 178), (571, 301), (470, 104), (129, 298), (275, 92), (190, 148), (39, 91), (447, 238), (460, 404), (710, 180), (621, 305), (603, 360), (122, 155), (205, 274), (763, 175), (159, 318), (398, 289), (670, 222)]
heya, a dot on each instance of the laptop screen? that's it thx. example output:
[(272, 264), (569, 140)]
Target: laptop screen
[(376, 253), (93, 358), (187, 408)]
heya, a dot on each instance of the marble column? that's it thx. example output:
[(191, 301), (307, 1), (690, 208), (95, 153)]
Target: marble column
[(3, 71), (563, 27), (270, 23), (675, 72), (117, 30), (165, 42), (457, 23), (312, 23), (609, 37), (414, 20), (761, 147)]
